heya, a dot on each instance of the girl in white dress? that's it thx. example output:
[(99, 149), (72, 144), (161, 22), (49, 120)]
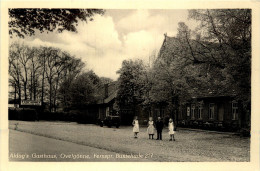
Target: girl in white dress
[(136, 126), (171, 130), (150, 129)]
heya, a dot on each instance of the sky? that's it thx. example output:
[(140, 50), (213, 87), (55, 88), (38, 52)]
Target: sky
[(116, 36)]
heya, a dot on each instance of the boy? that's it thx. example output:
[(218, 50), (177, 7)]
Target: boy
[(159, 128)]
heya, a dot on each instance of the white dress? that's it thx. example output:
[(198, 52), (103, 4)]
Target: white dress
[(171, 128), (150, 129), (136, 126)]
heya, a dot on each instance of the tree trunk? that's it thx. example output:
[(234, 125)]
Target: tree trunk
[(55, 93), (19, 89), (25, 93), (31, 88), (43, 79), (34, 88), (54, 100), (15, 91), (19, 93), (50, 97), (42, 87)]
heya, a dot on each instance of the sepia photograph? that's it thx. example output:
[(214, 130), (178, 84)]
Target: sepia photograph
[(129, 85)]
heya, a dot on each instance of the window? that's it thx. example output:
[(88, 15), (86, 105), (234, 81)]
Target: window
[(211, 111), (200, 109), (188, 111), (234, 110), (193, 111)]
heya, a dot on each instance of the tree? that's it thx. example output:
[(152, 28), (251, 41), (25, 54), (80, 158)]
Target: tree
[(19, 60), (25, 21), (106, 80), (169, 84), (51, 61), (201, 61), (230, 29), (81, 90), (148, 82), (57, 62), (61, 65), (72, 71), (130, 83), (30, 65), (15, 71), (210, 60), (34, 70)]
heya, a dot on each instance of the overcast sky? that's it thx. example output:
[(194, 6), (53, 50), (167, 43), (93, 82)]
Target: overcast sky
[(118, 35)]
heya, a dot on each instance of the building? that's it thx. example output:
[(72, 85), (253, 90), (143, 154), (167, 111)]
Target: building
[(204, 108), (208, 108), (220, 112), (106, 104)]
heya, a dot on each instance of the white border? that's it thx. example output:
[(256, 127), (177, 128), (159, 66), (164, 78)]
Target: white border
[(5, 165)]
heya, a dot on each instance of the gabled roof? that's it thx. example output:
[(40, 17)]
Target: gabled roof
[(168, 46), (173, 45), (112, 93), (108, 99)]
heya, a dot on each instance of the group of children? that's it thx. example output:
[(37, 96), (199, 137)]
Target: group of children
[(152, 126)]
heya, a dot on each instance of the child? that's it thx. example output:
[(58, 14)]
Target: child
[(150, 129), (171, 130), (136, 126), (159, 128)]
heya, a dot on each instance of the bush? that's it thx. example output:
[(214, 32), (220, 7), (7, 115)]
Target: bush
[(22, 114), (57, 116), (13, 114), (71, 116)]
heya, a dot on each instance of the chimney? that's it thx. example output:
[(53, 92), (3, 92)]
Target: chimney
[(106, 90)]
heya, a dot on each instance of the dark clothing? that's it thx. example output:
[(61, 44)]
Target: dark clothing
[(159, 128), (159, 125), (159, 135)]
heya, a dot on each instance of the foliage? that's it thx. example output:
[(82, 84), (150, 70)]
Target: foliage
[(130, 83), (83, 89), (51, 76), (212, 60), (106, 80), (230, 29), (25, 21)]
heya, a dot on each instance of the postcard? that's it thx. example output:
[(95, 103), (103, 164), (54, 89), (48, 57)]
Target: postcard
[(135, 85)]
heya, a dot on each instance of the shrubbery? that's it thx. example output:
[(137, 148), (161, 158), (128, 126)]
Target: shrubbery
[(32, 115), (22, 114)]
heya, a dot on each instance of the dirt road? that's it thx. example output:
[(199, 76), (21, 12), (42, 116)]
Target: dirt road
[(189, 145)]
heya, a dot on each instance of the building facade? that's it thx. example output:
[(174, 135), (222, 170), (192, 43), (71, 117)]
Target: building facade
[(217, 112)]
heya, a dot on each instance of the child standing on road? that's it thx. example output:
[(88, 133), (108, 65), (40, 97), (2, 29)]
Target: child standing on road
[(159, 128), (150, 129), (171, 130), (136, 126)]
